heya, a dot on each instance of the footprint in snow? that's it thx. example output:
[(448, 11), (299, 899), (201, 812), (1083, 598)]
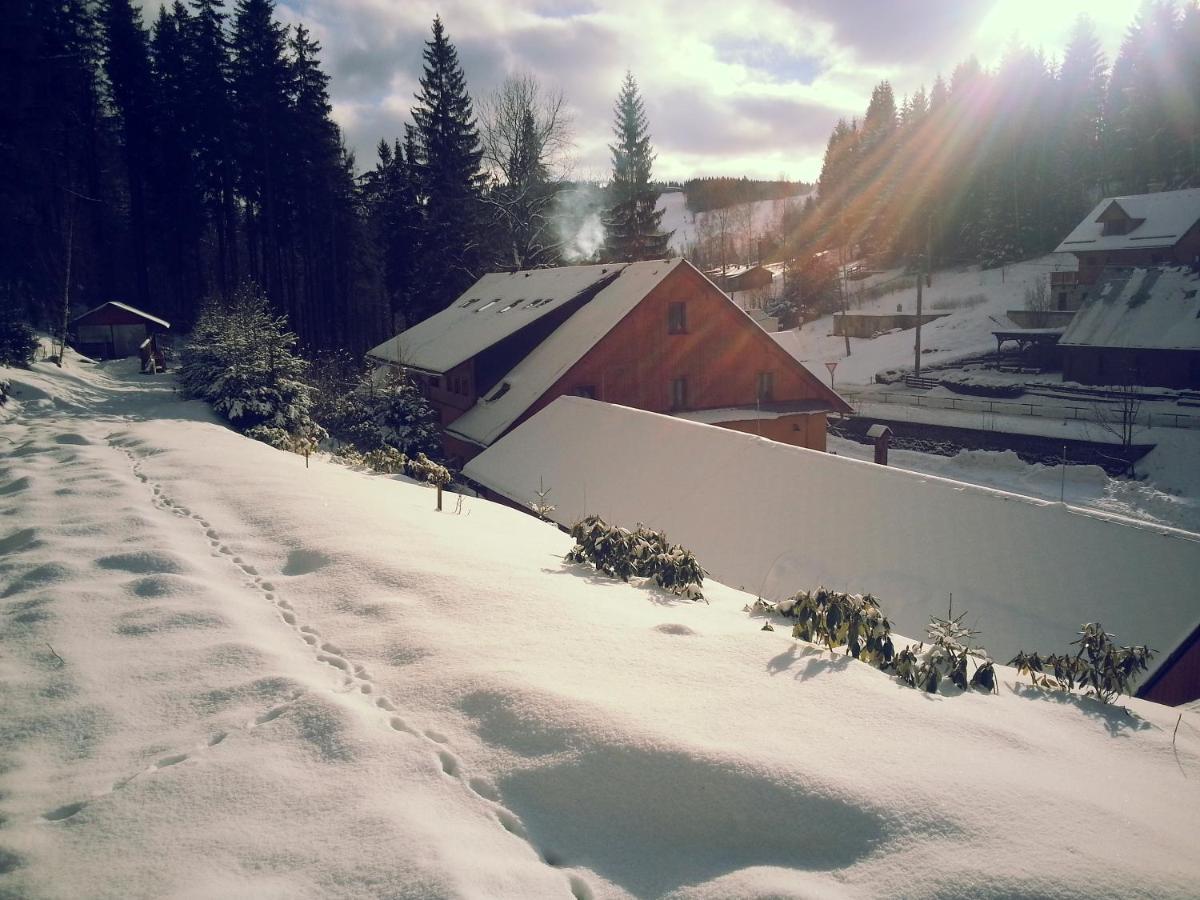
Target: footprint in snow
[(64, 812), (168, 761)]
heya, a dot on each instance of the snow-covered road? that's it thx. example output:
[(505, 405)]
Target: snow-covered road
[(224, 674)]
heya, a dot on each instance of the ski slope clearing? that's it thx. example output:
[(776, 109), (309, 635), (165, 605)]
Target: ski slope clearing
[(764, 216), (224, 674)]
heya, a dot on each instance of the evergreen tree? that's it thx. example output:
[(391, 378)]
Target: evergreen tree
[(127, 65), (447, 160), (632, 224), (394, 219), (177, 209), (1081, 81), (54, 231), (213, 136), (260, 79)]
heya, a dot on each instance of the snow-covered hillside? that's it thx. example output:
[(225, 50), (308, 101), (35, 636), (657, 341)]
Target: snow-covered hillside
[(679, 219), (974, 301), (224, 674)]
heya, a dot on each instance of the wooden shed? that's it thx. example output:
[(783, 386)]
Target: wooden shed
[(113, 330)]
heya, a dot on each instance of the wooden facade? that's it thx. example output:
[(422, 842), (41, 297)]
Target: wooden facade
[(718, 353), (684, 346)]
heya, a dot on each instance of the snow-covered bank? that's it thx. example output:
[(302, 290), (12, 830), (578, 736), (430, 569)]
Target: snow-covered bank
[(225, 674)]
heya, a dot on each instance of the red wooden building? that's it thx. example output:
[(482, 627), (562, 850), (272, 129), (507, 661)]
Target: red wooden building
[(653, 335), (114, 330)]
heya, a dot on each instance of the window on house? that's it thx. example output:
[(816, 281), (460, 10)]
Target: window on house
[(435, 381), (679, 393), (677, 318), (766, 385), (586, 390)]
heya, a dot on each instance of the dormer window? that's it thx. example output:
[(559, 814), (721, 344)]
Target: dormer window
[(1116, 221)]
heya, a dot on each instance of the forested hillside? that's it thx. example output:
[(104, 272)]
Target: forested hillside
[(996, 165)]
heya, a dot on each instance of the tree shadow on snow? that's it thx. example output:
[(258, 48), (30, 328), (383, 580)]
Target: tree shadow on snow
[(1116, 719), (653, 592), (816, 662)]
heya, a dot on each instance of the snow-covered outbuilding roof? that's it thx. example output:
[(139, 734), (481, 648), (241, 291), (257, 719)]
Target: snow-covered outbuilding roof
[(1153, 308), (1165, 217), (775, 519), (133, 310), (496, 306), (537, 372)]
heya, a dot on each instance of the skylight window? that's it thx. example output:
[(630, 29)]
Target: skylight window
[(488, 305), (513, 305), (469, 302), (499, 392)]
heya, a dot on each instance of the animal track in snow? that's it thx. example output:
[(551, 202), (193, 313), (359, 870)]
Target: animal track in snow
[(385, 703), (437, 737)]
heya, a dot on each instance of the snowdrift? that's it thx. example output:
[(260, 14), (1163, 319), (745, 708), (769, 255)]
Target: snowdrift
[(225, 675)]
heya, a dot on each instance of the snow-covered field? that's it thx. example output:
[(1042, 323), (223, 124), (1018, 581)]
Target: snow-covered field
[(224, 674)]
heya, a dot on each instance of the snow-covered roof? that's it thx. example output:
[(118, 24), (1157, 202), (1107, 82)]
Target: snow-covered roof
[(537, 372), (497, 305), (1166, 217), (129, 309), (777, 518), (1153, 308)]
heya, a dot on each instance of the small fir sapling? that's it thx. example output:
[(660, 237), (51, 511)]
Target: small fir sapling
[(18, 343), (948, 655), (541, 505)]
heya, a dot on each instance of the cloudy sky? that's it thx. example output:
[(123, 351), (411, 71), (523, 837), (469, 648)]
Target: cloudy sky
[(732, 87)]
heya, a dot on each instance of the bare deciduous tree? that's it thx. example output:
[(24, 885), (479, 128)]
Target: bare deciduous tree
[(527, 140)]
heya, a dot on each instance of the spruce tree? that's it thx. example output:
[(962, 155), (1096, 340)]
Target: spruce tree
[(632, 224), (177, 207), (213, 123), (447, 160), (127, 66)]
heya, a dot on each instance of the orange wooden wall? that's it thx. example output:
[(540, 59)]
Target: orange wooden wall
[(721, 355)]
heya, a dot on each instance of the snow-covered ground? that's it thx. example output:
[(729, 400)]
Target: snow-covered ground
[(976, 301), (677, 218), (224, 674)]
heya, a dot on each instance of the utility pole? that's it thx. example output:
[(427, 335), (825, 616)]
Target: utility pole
[(842, 291), (921, 267)]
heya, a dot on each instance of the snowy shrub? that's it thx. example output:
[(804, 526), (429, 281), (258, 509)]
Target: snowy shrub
[(5, 387), (374, 409), (385, 460), (424, 469), (18, 343), (837, 619), (642, 553), (856, 622), (948, 657), (1100, 668), (240, 360), (274, 437)]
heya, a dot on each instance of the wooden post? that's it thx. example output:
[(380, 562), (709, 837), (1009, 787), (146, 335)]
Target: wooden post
[(439, 490)]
